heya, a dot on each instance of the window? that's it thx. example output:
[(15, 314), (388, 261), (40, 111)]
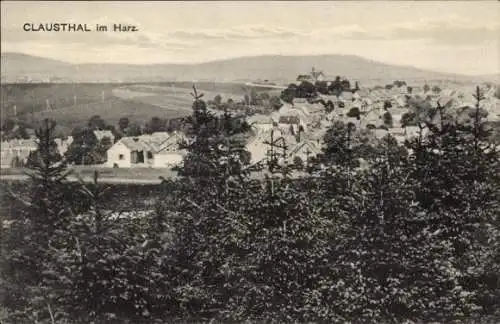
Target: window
[(150, 155), (121, 157)]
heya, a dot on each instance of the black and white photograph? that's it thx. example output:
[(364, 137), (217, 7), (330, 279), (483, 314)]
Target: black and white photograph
[(250, 162)]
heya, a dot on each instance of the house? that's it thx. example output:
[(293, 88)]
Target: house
[(127, 152), (16, 151), (290, 124), (101, 134), (63, 145), (305, 77), (260, 148), (318, 76), (313, 76), (168, 158), (299, 101), (326, 98), (380, 133), (260, 123), (304, 150), (398, 133), (346, 96), (414, 131), (288, 111), (159, 149), (399, 101), (371, 117), (257, 147)]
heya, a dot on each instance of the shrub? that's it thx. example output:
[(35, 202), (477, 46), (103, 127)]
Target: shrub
[(354, 113)]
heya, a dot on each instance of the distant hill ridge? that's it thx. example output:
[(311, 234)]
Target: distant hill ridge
[(17, 67)]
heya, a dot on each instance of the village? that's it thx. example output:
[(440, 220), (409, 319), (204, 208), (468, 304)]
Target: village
[(298, 125)]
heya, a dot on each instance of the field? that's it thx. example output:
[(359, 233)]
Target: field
[(108, 175), (173, 97), (72, 105), (29, 98), (111, 111)]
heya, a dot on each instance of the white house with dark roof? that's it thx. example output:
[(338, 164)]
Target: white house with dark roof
[(156, 150)]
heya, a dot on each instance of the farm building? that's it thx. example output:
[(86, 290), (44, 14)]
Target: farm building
[(305, 150), (259, 147), (289, 111), (260, 123), (398, 133), (158, 150), (16, 152)]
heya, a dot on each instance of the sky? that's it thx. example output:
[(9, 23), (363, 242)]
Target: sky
[(458, 37)]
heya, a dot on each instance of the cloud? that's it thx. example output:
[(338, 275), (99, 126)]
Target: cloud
[(140, 39), (236, 33), (449, 30)]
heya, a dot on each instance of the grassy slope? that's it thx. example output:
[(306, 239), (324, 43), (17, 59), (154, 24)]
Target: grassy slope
[(163, 102)]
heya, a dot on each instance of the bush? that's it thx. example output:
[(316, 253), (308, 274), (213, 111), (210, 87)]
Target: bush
[(436, 89), (298, 163), (387, 119), (354, 113)]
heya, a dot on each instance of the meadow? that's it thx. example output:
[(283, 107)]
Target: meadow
[(108, 175), (72, 105), (32, 97)]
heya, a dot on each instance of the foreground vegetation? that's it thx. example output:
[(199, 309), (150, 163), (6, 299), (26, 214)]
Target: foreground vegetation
[(410, 237)]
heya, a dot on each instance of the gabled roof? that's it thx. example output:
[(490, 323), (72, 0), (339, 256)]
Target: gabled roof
[(289, 120), (260, 119), (155, 142), (134, 143), (303, 146), (19, 144), (397, 131)]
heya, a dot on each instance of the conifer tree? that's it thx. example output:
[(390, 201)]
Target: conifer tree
[(41, 226), (457, 171)]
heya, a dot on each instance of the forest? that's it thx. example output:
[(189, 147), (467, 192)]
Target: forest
[(412, 235)]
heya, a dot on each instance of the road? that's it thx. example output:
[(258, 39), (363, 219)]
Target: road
[(266, 86)]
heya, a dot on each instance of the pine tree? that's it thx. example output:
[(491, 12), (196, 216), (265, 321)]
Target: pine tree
[(457, 170), (41, 226)]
